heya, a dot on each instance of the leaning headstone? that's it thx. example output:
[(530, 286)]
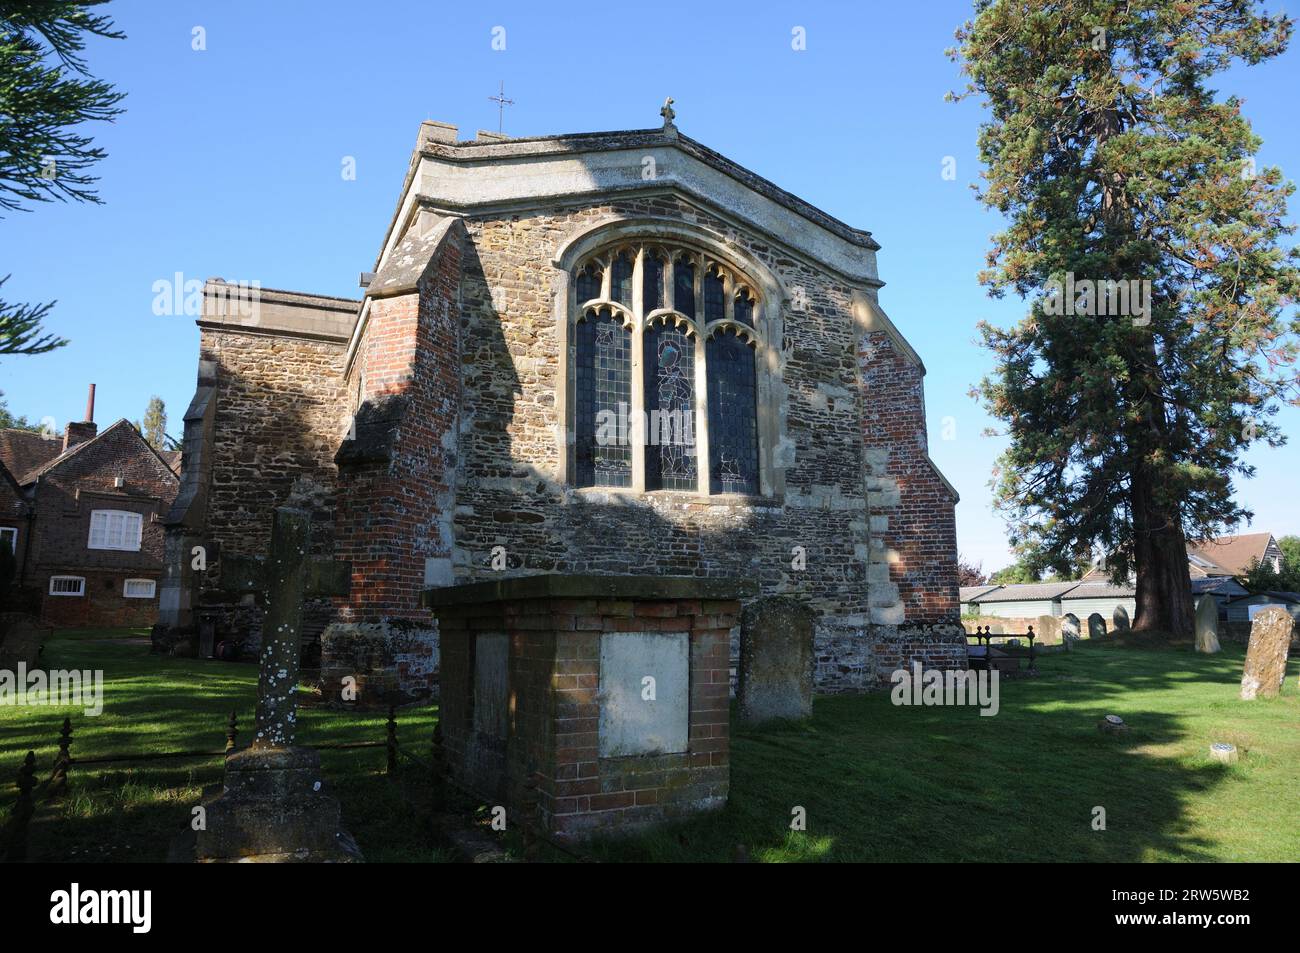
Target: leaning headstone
[(272, 808), (1207, 625), (1096, 626), (1120, 619), (1047, 630), (1069, 630), (1270, 640), (776, 660)]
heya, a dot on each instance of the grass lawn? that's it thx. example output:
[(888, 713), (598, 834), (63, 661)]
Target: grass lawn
[(129, 811), (878, 782)]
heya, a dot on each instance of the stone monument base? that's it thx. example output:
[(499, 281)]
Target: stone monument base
[(271, 810)]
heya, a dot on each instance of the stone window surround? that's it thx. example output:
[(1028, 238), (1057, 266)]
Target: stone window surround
[(598, 245)]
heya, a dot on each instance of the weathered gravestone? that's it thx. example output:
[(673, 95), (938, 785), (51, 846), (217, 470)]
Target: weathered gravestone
[(21, 637), (1207, 625), (776, 660), (1096, 626), (1119, 618), (272, 808), (1270, 640), (1048, 630), (1069, 630)]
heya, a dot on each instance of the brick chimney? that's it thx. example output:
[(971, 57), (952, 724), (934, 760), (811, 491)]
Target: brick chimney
[(86, 429)]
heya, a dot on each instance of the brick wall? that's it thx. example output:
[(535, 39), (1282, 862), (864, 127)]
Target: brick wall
[(554, 678)]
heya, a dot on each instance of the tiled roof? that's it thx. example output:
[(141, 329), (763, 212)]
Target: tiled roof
[(1219, 585), (1029, 592), (1233, 553), (1279, 595), (23, 451), (1100, 590), (974, 592)]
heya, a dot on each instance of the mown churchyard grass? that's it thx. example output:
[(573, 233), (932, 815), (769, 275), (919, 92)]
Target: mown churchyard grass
[(878, 782), (129, 811)]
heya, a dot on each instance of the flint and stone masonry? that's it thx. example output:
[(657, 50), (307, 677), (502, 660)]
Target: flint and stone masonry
[(428, 427)]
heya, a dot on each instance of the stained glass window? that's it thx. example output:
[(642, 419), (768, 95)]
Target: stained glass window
[(684, 287), (603, 379), (652, 283), (588, 285), (714, 302), (743, 310), (733, 436), (602, 413), (670, 409), (620, 288)]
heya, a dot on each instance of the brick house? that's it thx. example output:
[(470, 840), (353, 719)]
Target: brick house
[(86, 521), (495, 402)]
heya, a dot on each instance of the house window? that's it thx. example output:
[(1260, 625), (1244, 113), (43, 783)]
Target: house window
[(115, 529), (9, 537), (139, 589), (67, 585), (695, 326)]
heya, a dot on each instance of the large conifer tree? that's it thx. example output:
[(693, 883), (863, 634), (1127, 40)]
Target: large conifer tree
[(1113, 160)]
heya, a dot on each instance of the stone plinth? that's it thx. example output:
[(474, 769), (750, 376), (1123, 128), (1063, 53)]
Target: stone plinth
[(611, 690), (273, 810)]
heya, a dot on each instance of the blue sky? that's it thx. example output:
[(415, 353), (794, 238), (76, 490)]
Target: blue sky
[(229, 162)]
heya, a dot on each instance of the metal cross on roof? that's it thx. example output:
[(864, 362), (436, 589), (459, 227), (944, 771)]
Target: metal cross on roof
[(502, 103)]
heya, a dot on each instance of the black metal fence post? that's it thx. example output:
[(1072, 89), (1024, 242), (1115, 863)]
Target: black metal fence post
[(16, 834), (62, 761), (439, 778), (392, 741)]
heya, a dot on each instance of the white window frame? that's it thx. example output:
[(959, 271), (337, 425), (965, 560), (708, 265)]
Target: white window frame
[(80, 591), (105, 519), (12, 533), (127, 594)]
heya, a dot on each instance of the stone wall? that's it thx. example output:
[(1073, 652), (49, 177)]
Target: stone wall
[(844, 394), (280, 414), (464, 382)]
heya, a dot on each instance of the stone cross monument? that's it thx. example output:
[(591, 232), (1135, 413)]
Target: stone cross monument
[(271, 806)]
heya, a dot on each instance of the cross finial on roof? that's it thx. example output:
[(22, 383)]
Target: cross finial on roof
[(667, 111), (502, 103)]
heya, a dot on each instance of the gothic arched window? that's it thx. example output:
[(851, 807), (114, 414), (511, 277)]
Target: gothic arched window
[(603, 379), (665, 380)]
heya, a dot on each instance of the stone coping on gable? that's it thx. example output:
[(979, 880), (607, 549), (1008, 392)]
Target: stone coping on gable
[(582, 586)]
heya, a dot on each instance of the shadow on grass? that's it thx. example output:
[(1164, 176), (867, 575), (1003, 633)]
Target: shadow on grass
[(880, 782)]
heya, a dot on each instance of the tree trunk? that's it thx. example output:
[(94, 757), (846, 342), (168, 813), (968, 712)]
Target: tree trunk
[(1164, 588)]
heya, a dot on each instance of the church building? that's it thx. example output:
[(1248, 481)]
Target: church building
[(603, 353)]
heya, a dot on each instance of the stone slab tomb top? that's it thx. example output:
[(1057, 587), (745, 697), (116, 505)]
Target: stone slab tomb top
[(589, 587)]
